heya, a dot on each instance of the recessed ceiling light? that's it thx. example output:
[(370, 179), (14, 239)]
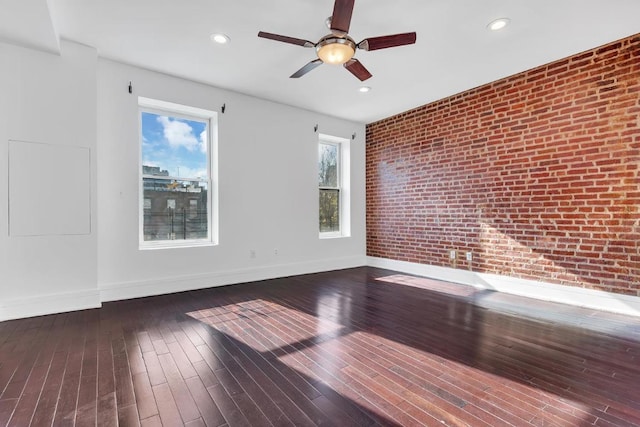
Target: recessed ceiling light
[(220, 38), (364, 89), (498, 24)]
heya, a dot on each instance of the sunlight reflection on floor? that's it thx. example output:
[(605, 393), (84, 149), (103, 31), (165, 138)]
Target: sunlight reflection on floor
[(432, 285), (269, 318), (325, 349)]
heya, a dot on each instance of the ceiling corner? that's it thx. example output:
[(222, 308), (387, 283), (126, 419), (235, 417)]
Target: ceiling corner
[(29, 23)]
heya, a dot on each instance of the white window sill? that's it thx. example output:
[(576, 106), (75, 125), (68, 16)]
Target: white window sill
[(175, 244), (332, 235)]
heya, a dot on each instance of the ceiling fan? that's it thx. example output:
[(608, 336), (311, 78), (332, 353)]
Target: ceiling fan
[(337, 47)]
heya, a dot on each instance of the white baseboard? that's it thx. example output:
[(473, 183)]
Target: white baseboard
[(60, 303), (72, 301), (48, 304), (582, 297), (167, 285)]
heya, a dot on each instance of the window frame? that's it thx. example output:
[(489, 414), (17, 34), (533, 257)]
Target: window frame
[(179, 111), (343, 186)]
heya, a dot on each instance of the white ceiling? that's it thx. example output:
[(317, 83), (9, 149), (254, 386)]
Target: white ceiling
[(454, 49)]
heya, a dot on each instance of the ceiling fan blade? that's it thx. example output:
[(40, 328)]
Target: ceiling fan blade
[(357, 69), (383, 42), (304, 70), (341, 17), (285, 39)]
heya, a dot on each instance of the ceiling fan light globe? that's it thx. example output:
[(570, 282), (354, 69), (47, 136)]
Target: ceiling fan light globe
[(334, 50)]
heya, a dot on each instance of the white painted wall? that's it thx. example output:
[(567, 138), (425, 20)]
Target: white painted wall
[(268, 196), (48, 99), (267, 173)]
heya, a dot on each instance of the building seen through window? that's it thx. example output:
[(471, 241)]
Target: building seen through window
[(172, 207)]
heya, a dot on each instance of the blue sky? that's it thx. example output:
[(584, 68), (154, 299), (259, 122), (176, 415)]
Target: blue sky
[(176, 145)]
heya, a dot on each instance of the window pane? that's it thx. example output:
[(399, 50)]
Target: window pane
[(173, 146), (328, 165), (178, 209), (329, 210)]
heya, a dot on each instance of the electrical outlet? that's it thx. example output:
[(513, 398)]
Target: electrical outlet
[(252, 253), (452, 254), (469, 256), (275, 251)]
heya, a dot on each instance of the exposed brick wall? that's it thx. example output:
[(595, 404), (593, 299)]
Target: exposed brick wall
[(536, 174)]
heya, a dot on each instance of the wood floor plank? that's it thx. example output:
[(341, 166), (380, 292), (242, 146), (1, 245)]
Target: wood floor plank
[(136, 361), (251, 411), (124, 384), (169, 413), (154, 421), (68, 398), (145, 400), (196, 423), (128, 416), (7, 406), (211, 415), (106, 410), (144, 341), (46, 406), (25, 408), (153, 368), (181, 360), (181, 395), (188, 347), (87, 401), (230, 411), (18, 380), (205, 374), (7, 369)]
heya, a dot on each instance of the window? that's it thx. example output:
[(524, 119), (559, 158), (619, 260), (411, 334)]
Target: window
[(176, 170), (333, 183)]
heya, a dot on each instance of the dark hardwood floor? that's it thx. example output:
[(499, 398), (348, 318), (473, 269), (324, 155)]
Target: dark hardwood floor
[(356, 347)]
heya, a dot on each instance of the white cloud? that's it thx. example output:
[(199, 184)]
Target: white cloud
[(178, 134), (148, 162), (203, 141)]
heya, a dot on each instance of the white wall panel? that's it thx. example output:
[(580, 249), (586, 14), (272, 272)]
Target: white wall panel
[(49, 189)]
